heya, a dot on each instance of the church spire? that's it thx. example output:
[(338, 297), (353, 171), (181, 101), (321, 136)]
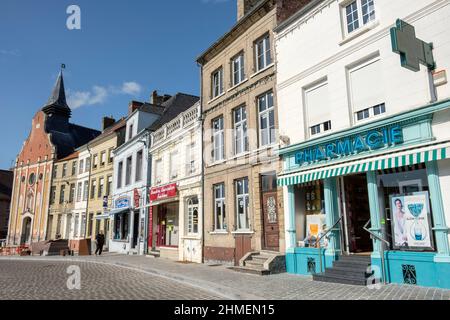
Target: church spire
[(57, 103)]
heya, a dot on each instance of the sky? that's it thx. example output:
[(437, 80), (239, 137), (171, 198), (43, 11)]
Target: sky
[(124, 50)]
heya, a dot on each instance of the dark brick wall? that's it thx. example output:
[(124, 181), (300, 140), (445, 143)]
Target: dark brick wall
[(286, 8), (218, 254)]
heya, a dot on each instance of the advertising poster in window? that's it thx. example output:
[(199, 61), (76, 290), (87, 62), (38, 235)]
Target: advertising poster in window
[(314, 224), (411, 223)]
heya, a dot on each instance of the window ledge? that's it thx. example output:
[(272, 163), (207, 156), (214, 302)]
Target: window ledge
[(191, 237), (362, 30), (216, 98), (243, 232), (237, 85), (262, 70), (218, 232)]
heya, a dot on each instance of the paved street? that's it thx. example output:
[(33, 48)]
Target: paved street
[(138, 278)]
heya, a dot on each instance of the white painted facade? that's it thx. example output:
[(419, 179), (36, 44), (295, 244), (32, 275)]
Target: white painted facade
[(320, 64), (176, 153), (78, 216), (126, 182)]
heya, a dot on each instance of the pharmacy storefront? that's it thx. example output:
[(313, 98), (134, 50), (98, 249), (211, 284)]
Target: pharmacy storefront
[(382, 189)]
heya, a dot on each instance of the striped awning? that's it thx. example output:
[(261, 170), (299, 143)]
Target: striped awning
[(387, 161)]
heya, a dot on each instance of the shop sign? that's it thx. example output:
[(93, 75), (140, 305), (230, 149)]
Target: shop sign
[(162, 193), (122, 202), (411, 223), (372, 140), (137, 198)]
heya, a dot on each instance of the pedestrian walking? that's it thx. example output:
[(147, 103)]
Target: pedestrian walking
[(100, 242)]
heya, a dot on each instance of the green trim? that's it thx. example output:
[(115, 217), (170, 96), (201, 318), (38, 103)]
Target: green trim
[(374, 165)]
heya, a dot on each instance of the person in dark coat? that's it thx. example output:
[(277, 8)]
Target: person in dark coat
[(100, 242)]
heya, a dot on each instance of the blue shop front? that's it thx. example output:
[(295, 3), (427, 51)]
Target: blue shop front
[(374, 191)]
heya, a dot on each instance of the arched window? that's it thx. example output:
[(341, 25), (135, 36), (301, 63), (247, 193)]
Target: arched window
[(192, 215)]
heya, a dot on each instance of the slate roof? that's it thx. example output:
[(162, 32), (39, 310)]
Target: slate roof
[(65, 136), (173, 107), (57, 103)]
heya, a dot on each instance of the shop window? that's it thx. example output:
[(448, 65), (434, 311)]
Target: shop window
[(405, 200), (310, 213), (192, 218), (121, 224), (242, 204), (219, 208)]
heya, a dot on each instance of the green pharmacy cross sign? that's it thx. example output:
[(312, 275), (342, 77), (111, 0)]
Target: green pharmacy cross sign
[(413, 51)]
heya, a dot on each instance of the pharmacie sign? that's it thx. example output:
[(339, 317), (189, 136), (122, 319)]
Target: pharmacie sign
[(368, 141), (162, 193)]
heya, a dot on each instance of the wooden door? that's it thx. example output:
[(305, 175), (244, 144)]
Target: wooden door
[(243, 246), (271, 226)]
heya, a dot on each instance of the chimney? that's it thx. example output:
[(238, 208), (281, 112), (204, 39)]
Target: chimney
[(244, 6), (133, 106), (156, 99), (107, 122)]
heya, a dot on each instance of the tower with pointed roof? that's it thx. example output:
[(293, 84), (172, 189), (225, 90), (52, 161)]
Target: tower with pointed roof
[(52, 137)]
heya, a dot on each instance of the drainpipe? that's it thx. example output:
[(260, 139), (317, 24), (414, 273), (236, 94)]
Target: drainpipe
[(86, 214), (202, 120)]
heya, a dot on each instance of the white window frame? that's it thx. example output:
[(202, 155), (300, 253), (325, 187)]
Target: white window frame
[(321, 127), (219, 202), (139, 166), (191, 206), (264, 44), (246, 204), (238, 69), (101, 187), (158, 171), (174, 165), (265, 115), (128, 170), (120, 174), (190, 159), (79, 191), (371, 113), (218, 140), (85, 190), (81, 166), (240, 130), (372, 13), (217, 83)]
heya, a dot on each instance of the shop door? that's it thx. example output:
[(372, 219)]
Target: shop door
[(161, 233), (357, 213), (271, 227), (135, 229), (243, 246)]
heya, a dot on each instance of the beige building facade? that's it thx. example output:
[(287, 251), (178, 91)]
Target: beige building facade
[(101, 178), (243, 209)]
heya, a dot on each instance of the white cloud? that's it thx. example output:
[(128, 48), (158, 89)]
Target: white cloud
[(98, 94), (78, 99), (131, 88), (14, 52)]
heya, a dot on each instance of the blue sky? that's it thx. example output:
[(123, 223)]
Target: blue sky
[(124, 51)]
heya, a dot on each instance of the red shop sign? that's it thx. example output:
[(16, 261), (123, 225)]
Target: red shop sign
[(165, 192)]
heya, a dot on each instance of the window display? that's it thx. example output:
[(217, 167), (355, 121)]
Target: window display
[(406, 202)]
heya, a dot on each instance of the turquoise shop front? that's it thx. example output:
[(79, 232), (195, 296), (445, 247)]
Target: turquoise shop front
[(377, 187)]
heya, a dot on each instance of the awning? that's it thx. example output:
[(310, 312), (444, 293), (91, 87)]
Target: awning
[(102, 216), (387, 161), (112, 213)]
